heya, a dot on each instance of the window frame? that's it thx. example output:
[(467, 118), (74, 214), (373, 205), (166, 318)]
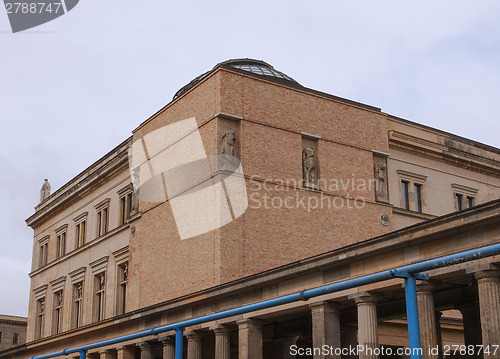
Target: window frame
[(102, 217), (61, 241), (80, 230), (415, 191), (127, 200), (43, 251), (121, 287), (466, 194), (77, 318), (40, 295), (99, 269)]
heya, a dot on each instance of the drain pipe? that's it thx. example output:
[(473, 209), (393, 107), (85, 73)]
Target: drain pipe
[(410, 273)]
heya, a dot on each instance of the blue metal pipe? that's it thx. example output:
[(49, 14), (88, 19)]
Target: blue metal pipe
[(303, 295), (179, 344), (412, 317)]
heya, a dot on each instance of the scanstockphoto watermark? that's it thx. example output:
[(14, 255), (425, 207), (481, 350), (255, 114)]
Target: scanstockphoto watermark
[(331, 351), (27, 14), (273, 194)]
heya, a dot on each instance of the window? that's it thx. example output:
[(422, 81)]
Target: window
[(405, 194), (57, 316), (412, 191), (125, 207), (0, 337), (15, 338), (40, 310), (99, 296), (102, 210), (465, 197), (43, 251), (77, 304), (122, 288), (418, 197), (458, 201), (61, 241), (81, 230)]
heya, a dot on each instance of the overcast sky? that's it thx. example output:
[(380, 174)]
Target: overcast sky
[(74, 88)]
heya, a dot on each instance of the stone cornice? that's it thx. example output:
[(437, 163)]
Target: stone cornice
[(110, 164)]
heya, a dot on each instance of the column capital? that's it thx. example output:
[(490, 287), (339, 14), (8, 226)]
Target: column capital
[(194, 335), (222, 330), (364, 298), (487, 274), (249, 323), (168, 340), (426, 286), (144, 346)]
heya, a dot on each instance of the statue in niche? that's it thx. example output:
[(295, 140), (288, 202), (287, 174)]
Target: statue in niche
[(59, 299), (101, 281), (125, 272), (42, 306), (79, 290), (309, 166), (45, 191), (228, 152), (380, 171)]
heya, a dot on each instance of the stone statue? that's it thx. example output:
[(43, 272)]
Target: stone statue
[(42, 306), (380, 172), (309, 166), (125, 272), (101, 281), (45, 191), (228, 152), (79, 290), (59, 299)]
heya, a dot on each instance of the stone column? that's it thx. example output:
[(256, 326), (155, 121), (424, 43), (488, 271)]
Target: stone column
[(146, 350), (286, 344), (472, 325), (427, 320), (222, 342), (250, 339), (125, 353), (488, 285), (367, 324), (168, 347), (106, 354), (193, 345), (325, 326)]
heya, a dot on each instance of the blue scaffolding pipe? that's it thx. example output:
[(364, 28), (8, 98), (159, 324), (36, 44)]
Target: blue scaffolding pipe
[(410, 273)]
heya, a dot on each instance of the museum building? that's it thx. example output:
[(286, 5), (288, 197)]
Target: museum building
[(248, 186)]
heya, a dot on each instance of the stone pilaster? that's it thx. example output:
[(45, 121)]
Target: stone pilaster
[(325, 326), (367, 324), (125, 352), (193, 345), (472, 325), (222, 342), (427, 320), (488, 285), (250, 339), (146, 350), (168, 344)]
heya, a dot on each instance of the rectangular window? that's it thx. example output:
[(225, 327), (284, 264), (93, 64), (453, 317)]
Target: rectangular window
[(99, 296), (125, 207), (102, 222), (57, 316), (0, 337), (81, 229), (61, 244), (15, 338), (405, 194), (77, 305), (459, 201), (122, 288), (470, 201), (44, 248), (418, 197), (40, 310)]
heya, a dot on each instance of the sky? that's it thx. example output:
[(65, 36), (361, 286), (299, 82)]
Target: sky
[(74, 88)]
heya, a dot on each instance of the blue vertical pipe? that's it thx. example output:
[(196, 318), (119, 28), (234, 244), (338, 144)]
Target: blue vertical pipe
[(179, 342), (83, 354), (412, 317)]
